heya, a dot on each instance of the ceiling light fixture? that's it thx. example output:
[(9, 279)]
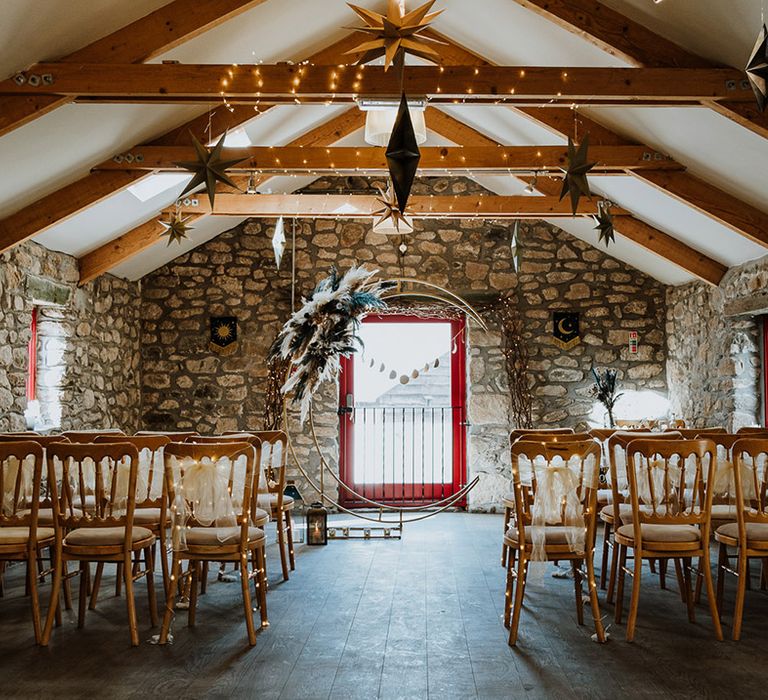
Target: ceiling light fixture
[(530, 188), (380, 115)]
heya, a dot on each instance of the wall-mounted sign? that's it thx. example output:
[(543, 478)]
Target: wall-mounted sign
[(223, 334), (565, 328), (633, 342)]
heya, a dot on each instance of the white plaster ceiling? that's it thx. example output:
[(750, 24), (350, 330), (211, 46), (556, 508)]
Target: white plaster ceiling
[(60, 147)]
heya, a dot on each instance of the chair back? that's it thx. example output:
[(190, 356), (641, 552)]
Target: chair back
[(749, 476), (82, 437), (211, 484), (215, 439), (150, 480), (42, 440), (174, 436), (555, 437), (556, 484), (21, 468), (637, 424), (691, 433), (97, 484), (670, 484), (519, 432), (748, 429)]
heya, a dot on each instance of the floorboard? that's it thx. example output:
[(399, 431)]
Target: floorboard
[(419, 617)]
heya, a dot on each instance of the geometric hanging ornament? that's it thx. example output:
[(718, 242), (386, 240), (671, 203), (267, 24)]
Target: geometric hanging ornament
[(515, 245), (604, 223), (278, 241), (175, 228), (575, 175), (209, 168), (395, 34), (757, 69), (403, 155)]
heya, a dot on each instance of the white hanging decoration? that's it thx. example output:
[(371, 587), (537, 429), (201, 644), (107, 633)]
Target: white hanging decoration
[(514, 246), (278, 241)]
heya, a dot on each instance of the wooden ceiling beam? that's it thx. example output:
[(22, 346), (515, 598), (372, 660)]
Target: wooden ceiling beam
[(345, 206), (615, 33), (708, 199), (148, 36), (289, 82), (69, 200), (282, 159)]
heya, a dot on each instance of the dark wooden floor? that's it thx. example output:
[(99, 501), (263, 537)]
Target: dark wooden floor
[(415, 618)]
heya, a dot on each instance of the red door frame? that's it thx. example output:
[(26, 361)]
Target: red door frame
[(432, 492)]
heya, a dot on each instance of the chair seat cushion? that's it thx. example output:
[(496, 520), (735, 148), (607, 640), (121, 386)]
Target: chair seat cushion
[(105, 536), (662, 533), (20, 535), (625, 512), (723, 512), (268, 501), (147, 516), (261, 517), (508, 500), (756, 532), (553, 534), (214, 536)]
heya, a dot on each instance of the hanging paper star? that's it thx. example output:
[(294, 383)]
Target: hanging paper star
[(757, 69), (604, 222), (515, 247), (176, 229), (403, 154), (278, 241), (396, 34), (209, 168), (575, 176), (390, 211)]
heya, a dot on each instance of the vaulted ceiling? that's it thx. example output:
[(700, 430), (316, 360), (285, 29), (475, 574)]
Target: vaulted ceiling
[(704, 214)]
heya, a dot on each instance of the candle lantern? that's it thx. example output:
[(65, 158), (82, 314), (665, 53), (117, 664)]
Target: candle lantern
[(317, 524)]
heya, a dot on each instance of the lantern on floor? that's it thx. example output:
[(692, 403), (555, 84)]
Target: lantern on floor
[(317, 524)]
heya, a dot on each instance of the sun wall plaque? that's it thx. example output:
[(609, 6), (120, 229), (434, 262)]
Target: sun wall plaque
[(223, 335)]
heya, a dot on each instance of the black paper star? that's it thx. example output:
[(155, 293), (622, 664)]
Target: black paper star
[(757, 69), (604, 222), (575, 176), (403, 155), (209, 168), (176, 229)]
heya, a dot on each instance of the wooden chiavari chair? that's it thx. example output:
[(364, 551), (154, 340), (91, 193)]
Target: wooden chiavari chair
[(151, 504), (95, 522), (618, 510), (559, 535), (749, 534), (749, 430), (691, 433), (666, 525), (203, 532), (82, 437), (21, 470)]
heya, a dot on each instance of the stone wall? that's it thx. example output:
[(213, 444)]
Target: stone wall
[(714, 348), (88, 343), (185, 385)]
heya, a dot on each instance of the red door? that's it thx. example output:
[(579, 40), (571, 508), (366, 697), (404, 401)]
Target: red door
[(402, 412)]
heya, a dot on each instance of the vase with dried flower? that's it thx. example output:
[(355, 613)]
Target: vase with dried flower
[(604, 391)]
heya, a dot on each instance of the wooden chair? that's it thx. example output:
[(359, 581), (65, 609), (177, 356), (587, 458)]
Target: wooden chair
[(618, 510), (151, 504), (226, 533), (21, 469), (746, 430), (82, 437), (691, 433), (95, 522), (582, 460), (173, 436), (749, 534), (666, 525), (547, 435)]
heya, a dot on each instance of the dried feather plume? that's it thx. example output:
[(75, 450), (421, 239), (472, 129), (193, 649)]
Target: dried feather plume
[(324, 329)]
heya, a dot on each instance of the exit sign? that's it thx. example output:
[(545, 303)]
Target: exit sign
[(633, 342)]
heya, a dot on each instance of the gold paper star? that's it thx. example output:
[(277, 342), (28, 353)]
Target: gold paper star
[(604, 222), (176, 229), (396, 34), (390, 210), (575, 177), (209, 168)]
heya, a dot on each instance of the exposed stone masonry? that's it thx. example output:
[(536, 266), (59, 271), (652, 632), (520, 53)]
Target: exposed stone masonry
[(88, 342), (185, 385)]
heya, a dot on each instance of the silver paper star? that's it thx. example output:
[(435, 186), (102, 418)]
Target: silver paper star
[(278, 241), (757, 69), (515, 247)]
